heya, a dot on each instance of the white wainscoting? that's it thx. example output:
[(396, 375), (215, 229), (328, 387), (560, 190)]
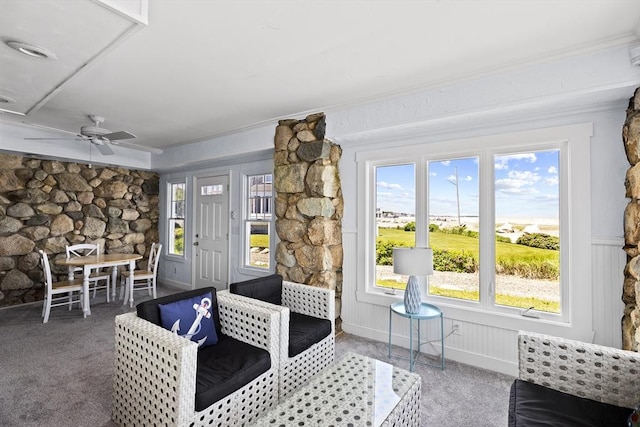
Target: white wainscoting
[(480, 345), (609, 260)]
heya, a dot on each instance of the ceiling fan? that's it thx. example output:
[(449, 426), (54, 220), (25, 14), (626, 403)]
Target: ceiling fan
[(102, 138)]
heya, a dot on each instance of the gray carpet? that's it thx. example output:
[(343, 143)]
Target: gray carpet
[(59, 374)]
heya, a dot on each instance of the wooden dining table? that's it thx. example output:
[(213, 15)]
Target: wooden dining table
[(91, 262)]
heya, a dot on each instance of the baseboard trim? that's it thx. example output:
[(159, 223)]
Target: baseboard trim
[(174, 284)]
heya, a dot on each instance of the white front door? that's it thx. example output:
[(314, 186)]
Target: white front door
[(211, 240)]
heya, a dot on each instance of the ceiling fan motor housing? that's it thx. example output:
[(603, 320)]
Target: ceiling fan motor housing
[(94, 133)]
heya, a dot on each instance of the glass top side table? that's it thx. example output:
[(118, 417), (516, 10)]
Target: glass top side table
[(427, 311)]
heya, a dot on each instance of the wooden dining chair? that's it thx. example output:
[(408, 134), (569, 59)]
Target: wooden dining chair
[(142, 279), (84, 249), (56, 294)]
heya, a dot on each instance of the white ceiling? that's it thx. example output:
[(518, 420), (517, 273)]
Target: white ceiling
[(205, 68)]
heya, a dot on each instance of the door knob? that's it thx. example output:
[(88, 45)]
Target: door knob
[(196, 243)]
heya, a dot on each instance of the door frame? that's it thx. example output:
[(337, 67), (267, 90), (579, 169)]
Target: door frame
[(194, 194)]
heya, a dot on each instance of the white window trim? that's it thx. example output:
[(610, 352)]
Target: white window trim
[(243, 267), (576, 230), (167, 231)]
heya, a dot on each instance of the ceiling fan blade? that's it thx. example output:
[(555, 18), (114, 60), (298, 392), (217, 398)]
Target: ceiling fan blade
[(104, 149), (133, 146), (115, 136), (52, 139)]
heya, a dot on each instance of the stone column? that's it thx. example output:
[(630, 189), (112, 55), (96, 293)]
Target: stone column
[(308, 205), (631, 288)]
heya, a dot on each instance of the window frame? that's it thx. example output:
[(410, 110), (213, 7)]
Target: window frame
[(168, 231), (575, 219), (245, 253)]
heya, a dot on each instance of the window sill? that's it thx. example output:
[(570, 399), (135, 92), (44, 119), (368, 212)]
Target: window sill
[(495, 319), (255, 271), (174, 258)]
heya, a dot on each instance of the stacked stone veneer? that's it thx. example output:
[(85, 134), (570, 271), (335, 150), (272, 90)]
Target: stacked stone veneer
[(50, 204), (631, 289), (308, 205)]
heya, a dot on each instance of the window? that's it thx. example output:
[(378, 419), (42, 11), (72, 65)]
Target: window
[(453, 205), (258, 221), (176, 218), (395, 219), (495, 210)]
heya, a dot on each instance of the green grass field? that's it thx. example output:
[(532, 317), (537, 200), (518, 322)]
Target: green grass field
[(259, 241), (511, 258), (454, 242)]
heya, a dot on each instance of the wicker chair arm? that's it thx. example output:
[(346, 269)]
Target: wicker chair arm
[(309, 300), (284, 313), (596, 372), (161, 360), (253, 324)]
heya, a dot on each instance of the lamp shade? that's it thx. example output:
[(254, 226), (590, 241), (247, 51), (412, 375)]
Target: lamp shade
[(413, 261)]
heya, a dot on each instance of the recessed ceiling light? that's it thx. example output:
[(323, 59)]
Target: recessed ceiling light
[(31, 50), (6, 100)]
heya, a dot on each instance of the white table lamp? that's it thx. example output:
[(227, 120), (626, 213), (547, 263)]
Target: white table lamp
[(412, 262)]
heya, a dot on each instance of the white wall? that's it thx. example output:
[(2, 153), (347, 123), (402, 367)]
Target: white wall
[(178, 271), (591, 88)]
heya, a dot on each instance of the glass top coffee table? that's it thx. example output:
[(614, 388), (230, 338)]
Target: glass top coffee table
[(354, 391)]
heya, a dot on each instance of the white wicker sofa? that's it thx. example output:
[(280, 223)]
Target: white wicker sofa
[(155, 370), (296, 303), (566, 382)]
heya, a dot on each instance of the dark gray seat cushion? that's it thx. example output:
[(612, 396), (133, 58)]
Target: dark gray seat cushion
[(226, 367), (222, 368), (304, 331), (533, 405)]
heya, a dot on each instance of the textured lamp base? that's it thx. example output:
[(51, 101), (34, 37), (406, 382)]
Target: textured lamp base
[(412, 297)]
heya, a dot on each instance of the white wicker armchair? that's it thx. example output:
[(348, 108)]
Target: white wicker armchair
[(154, 377), (592, 371), (311, 301)]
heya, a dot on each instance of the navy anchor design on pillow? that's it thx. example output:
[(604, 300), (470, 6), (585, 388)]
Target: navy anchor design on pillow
[(203, 311), (196, 312)]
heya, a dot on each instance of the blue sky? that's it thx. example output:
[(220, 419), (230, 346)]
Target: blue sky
[(526, 185)]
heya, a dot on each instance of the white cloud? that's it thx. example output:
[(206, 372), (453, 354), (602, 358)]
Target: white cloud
[(390, 186), (433, 173), (445, 162), (501, 165), (529, 157), (502, 162), (527, 177), (451, 178), (468, 178), (551, 180), (552, 169)]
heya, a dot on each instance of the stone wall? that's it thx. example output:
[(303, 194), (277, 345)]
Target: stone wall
[(631, 289), (48, 204), (309, 205)]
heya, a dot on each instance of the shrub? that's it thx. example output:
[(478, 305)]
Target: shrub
[(459, 262), (433, 227), (539, 240), (410, 226), (502, 239), (531, 269), (178, 243), (384, 251), (460, 230)]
